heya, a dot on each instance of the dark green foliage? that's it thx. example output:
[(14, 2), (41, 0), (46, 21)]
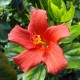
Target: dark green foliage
[(4, 30), (6, 70)]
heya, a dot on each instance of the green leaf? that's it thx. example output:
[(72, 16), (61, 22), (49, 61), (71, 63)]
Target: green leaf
[(68, 15), (72, 49), (19, 76), (62, 9), (57, 2), (3, 36), (1, 9), (56, 9), (58, 12), (43, 4), (28, 5), (73, 62), (72, 54), (42, 7), (4, 2), (77, 13), (75, 32), (69, 23), (4, 30), (4, 25), (37, 73), (53, 11), (18, 49), (6, 70), (28, 16), (12, 49)]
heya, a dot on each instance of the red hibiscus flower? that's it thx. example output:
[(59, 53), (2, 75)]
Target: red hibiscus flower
[(40, 43)]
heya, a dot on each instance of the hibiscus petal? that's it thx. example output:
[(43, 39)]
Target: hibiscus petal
[(54, 58), (21, 37), (38, 21), (29, 58), (56, 33)]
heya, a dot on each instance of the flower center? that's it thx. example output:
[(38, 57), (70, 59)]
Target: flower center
[(36, 39)]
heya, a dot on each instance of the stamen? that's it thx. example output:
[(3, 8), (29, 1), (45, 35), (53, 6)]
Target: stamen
[(36, 39)]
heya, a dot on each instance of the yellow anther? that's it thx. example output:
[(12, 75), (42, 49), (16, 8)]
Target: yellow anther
[(36, 39)]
